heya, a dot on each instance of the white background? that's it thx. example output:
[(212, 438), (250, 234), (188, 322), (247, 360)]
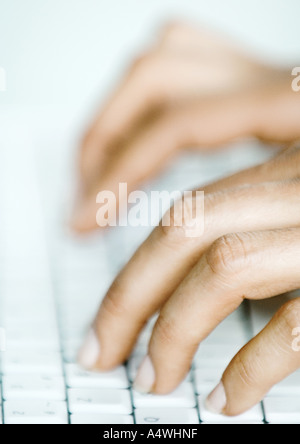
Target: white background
[(70, 52)]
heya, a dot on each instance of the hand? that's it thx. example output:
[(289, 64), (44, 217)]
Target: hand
[(193, 89), (249, 250)]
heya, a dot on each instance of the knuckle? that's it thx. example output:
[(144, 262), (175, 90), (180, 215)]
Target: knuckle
[(146, 72), (290, 314), (144, 63), (228, 254), (171, 30)]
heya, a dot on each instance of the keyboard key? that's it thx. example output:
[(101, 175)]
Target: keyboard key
[(288, 387), (228, 333), (284, 409), (100, 401), (215, 355), (71, 347), (182, 397), (232, 421), (133, 366), (33, 336), (96, 418), (32, 411), (79, 378), (166, 416), (253, 415), (43, 361), (207, 379), (34, 387)]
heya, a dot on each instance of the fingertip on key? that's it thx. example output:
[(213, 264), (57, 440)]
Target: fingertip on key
[(145, 378), (89, 353)]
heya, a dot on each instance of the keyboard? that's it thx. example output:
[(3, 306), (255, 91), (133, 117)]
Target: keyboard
[(51, 284)]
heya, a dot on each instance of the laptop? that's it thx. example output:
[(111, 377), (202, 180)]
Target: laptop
[(52, 282)]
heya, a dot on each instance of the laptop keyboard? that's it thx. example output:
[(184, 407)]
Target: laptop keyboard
[(51, 285)]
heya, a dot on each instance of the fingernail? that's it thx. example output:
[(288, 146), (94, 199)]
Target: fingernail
[(216, 401), (90, 351), (145, 378)]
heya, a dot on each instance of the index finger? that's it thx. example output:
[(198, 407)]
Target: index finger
[(153, 81)]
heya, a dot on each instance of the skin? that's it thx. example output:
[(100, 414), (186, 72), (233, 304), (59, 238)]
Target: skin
[(196, 89)]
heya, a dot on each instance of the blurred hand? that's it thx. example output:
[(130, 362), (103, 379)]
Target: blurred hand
[(193, 89), (249, 250)]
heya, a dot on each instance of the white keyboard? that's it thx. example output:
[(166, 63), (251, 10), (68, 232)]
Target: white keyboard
[(51, 285)]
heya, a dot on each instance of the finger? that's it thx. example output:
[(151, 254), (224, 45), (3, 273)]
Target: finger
[(156, 80), (168, 255), (206, 124), (153, 81), (268, 359), (183, 36), (284, 166), (255, 265), (134, 97), (180, 36), (138, 160)]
